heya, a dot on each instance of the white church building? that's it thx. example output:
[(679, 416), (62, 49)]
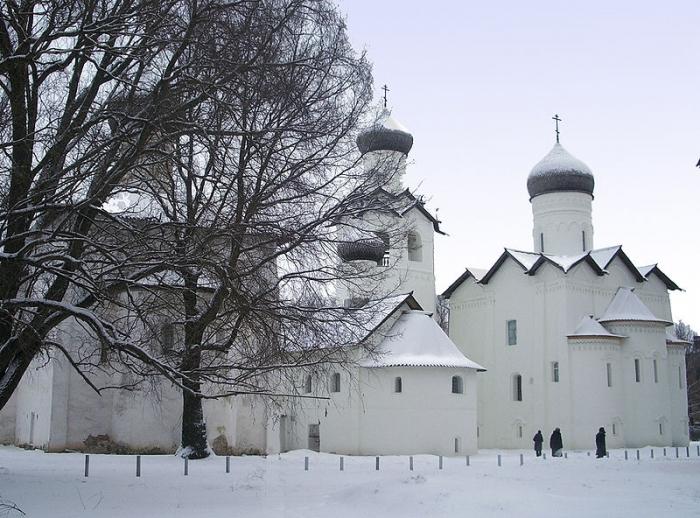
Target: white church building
[(416, 393), (572, 336)]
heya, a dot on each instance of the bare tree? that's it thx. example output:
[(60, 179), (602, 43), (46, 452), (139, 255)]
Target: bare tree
[(87, 90), (252, 211), (692, 367)]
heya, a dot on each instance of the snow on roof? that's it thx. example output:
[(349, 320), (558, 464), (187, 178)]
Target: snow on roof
[(416, 340), (626, 306), (559, 160), (589, 327), (526, 259), (386, 120), (654, 268), (477, 273), (566, 262), (603, 256), (672, 337)]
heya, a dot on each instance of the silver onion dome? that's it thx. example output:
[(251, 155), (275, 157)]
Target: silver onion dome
[(560, 171), (385, 135)]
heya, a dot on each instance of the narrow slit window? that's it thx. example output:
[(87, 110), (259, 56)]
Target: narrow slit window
[(398, 385), (512, 331), (167, 336), (608, 373), (637, 371), (614, 429), (307, 384), (457, 385), (656, 371), (583, 240), (517, 387), (335, 382), (542, 242), (680, 378), (555, 372)]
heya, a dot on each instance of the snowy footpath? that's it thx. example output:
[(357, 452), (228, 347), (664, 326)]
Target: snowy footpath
[(54, 485)]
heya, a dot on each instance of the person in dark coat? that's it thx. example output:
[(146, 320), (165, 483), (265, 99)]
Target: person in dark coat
[(556, 443), (538, 440), (600, 450)]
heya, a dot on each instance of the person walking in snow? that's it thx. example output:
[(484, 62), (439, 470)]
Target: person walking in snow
[(600, 450), (556, 443), (538, 440)]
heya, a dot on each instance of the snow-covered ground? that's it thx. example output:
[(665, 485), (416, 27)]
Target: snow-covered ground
[(277, 486)]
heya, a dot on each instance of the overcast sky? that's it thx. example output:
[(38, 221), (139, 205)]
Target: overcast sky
[(477, 84)]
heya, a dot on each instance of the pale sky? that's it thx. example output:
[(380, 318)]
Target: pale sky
[(477, 84)]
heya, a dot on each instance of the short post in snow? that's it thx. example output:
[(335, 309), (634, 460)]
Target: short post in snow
[(637, 454), (521, 459), (625, 454), (467, 460), (566, 455), (697, 449), (499, 459), (652, 453), (687, 451), (87, 465), (588, 453), (306, 464), (341, 464), (676, 451), (664, 452), (607, 454), (440, 462), (410, 463), (544, 456), (138, 465), (228, 464), (376, 464), (186, 466)]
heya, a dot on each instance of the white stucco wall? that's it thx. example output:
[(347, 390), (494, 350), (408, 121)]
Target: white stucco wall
[(561, 217), (547, 307)]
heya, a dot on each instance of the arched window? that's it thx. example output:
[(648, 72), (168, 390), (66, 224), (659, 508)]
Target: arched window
[(307, 384), (335, 382), (398, 385), (415, 246), (457, 385), (517, 387)]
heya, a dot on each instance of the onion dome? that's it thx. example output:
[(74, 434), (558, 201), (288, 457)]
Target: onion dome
[(560, 171), (358, 245), (385, 135)]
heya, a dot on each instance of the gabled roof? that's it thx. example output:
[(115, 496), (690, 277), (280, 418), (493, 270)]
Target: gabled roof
[(475, 273), (604, 256), (530, 262), (416, 340), (646, 271), (420, 205), (588, 327), (627, 307)]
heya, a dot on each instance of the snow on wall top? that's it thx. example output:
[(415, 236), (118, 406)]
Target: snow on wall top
[(526, 259), (559, 171), (672, 338), (416, 340), (589, 327), (626, 306)]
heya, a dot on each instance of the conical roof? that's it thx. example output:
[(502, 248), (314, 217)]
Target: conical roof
[(589, 327), (387, 134), (626, 306), (560, 171), (415, 340)]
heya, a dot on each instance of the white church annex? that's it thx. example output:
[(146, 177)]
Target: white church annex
[(417, 393), (572, 336)]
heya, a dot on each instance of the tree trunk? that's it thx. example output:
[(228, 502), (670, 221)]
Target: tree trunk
[(194, 429)]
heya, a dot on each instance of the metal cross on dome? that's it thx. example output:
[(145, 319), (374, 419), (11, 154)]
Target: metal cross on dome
[(386, 89), (557, 120)]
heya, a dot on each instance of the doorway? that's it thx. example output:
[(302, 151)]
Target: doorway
[(314, 437)]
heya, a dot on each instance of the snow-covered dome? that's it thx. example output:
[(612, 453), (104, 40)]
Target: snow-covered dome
[(361, 245), (560, 171), (385, 135)]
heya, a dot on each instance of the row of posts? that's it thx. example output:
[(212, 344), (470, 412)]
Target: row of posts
[(410, 461)]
